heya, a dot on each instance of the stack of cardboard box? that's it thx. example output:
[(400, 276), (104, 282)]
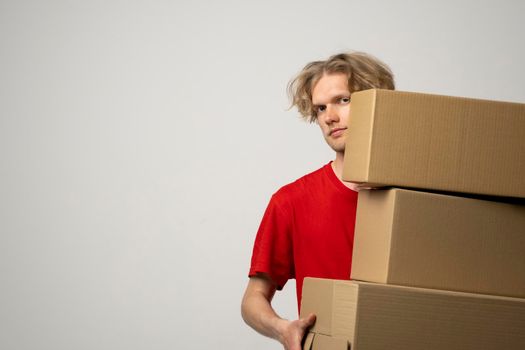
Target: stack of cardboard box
[(439, 254)]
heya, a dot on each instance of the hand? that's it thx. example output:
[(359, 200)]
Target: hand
[(358, 186), (363, 186), (293, 332)]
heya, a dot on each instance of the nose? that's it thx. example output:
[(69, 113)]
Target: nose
[(332, 114)]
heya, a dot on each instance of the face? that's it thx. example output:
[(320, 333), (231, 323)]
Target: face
[(331, 100)]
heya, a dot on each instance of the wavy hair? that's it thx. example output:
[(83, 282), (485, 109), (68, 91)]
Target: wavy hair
[(364, 72)]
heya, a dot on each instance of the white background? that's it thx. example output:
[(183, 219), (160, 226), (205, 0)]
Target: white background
[(141, 140)]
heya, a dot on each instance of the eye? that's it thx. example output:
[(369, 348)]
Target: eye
[(344, 100), (321, 108)]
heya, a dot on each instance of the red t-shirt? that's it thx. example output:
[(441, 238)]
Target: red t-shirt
[(307, 231)]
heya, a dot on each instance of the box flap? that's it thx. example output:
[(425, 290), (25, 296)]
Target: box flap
[(334, 302), (308, 341), (324, 342), (318, 297)]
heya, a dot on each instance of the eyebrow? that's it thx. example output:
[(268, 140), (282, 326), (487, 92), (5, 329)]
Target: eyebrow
[(335, 98), (340, 96)]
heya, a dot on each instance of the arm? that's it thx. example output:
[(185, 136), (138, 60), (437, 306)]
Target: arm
[(258, 313)]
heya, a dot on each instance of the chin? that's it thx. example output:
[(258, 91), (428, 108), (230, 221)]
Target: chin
[(338, 147)]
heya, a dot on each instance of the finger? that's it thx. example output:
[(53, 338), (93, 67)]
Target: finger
[(308, 321), (311, 319)]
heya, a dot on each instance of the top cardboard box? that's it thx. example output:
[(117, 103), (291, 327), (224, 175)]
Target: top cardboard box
[(436, 142)]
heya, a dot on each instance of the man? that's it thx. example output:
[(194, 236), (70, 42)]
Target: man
[(308, 227)]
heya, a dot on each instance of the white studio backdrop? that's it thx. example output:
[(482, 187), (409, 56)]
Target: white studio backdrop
[(141, 140)]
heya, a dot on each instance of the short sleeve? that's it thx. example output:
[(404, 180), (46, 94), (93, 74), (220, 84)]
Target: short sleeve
[(273, 248)]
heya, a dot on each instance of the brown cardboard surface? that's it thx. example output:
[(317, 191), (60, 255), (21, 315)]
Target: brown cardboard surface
[(440, 241), (330, 321), (315, 341), (406, 318), (436, 142)]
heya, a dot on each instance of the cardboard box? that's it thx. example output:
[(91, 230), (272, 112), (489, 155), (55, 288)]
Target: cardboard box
[(370, 316), (439, 241), (317, 341), (436, 142)]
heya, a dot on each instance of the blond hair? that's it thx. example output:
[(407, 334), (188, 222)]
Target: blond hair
[(363, 71)]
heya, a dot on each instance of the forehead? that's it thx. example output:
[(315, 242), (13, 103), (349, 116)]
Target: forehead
[(329, 87)]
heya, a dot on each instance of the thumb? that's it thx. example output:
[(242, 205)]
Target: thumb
[(309, 320)]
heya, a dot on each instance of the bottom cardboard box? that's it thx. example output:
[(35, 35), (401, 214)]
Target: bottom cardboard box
[(372, 316), (314, 341)]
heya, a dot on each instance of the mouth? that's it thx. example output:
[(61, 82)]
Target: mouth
[(336, 132)]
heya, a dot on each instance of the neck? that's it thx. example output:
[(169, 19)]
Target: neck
[(337, 166)]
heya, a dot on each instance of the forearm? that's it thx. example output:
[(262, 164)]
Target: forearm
[(258, 313)]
